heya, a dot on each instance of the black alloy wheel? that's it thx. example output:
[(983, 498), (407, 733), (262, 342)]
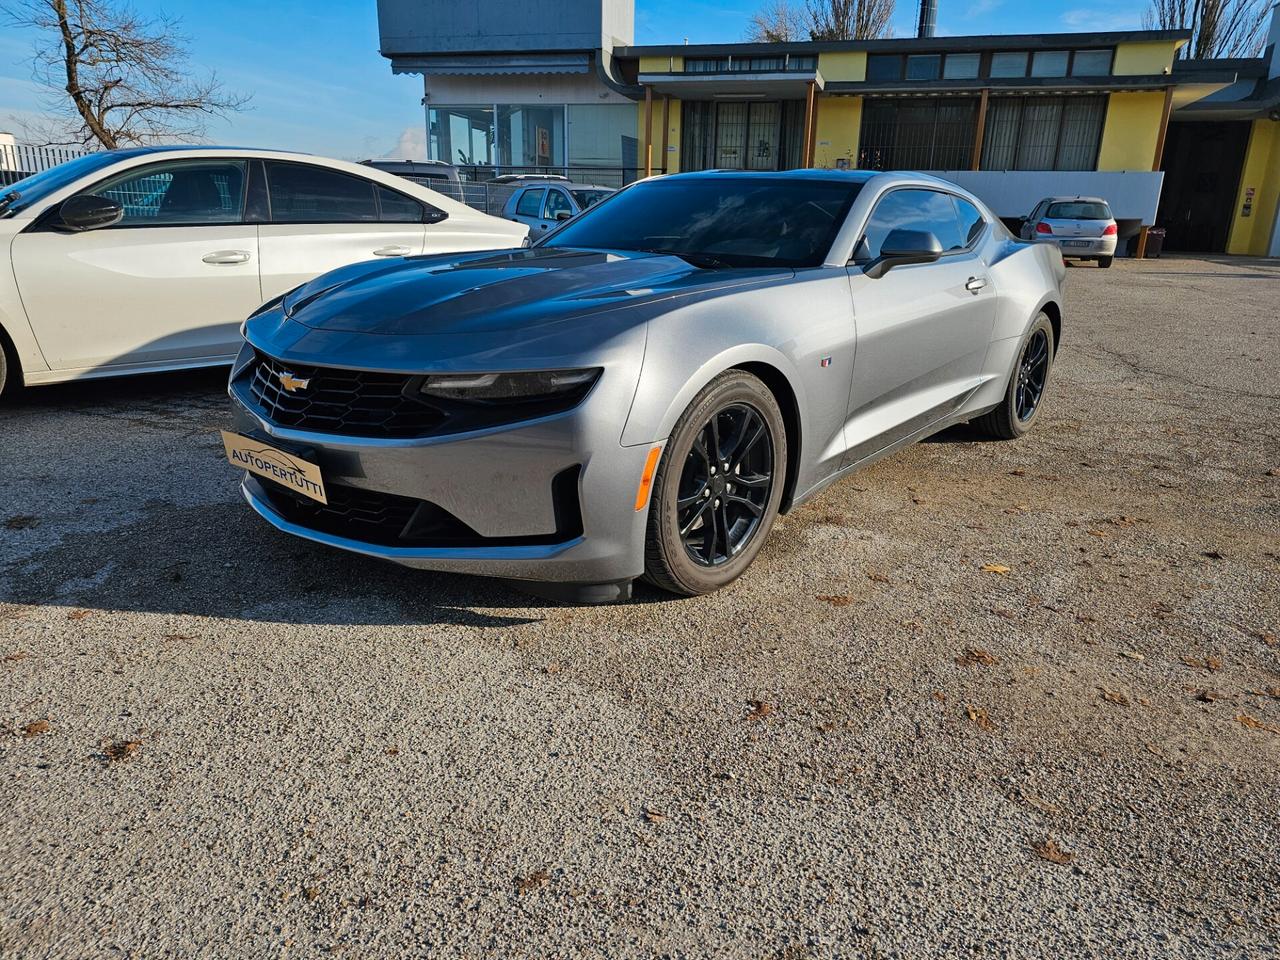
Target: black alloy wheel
[(725, 485), (1033, 373)]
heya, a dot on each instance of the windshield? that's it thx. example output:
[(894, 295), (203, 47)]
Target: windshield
[(587, 198), (38, 186), (1078, 210), (718, 220)]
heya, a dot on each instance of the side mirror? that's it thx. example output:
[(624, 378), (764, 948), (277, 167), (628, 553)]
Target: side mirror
[(563, 215), (89, 212), (903, 247)]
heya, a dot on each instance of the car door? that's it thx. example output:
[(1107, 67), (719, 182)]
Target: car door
[(528, 208), (319, 219), (170, 282), (558, 202), (922, 329)]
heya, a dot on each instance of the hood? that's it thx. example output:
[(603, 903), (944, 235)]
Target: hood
[(510, 290)]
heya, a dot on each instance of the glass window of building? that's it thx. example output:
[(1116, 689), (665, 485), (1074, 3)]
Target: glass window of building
[(1091, 63), (802, 63), (924, 66), (460, 134), (882, 67), (706, 64), (754, 135), (530, 136), (961, 66), (1049, 63), (758, 63), (1009, 64), (604, 135), (926, 133), (1043, 133)]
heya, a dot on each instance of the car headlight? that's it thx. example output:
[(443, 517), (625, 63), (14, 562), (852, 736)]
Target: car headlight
[(521, 387)]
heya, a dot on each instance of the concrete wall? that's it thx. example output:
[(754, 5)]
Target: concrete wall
[(1254, 235), (1131, 131), (503, 26)]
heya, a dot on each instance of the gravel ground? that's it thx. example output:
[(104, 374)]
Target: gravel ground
[(216, 741)]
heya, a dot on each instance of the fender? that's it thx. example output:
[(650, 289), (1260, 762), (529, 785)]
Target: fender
[(14, 323)]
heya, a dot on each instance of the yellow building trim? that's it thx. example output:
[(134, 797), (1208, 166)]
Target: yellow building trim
[(1131, 131), (1145, 59), (672, 160), (661, 64), (1260, 186), (839, 126), (842, 66)]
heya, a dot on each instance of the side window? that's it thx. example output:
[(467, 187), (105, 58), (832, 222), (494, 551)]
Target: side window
[(397, 208), (971, 222), (172, 194), (530, 203), (557, 202), (301, 193), (913, 210)]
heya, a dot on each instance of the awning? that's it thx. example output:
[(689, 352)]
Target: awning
[(481, 65), (734, 84)]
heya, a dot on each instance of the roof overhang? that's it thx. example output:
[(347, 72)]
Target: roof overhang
[(1204, 85), (734, 84), (493, 65)]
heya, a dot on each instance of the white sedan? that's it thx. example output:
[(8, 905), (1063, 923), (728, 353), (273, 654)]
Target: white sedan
[(134, 261)]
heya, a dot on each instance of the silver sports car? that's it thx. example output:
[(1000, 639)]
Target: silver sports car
[(644, 390)]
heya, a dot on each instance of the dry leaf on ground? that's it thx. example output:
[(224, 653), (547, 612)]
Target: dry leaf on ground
[(980, 716), (1253, 723), (78, 614), (837, 599), (759, 710), (1114, 696), (1212, 664), (35, 728), (539, 878), (120, 749), (15, 656), (654, 816), (1048, 849), (974, 657), (999, 568), (877, 577)]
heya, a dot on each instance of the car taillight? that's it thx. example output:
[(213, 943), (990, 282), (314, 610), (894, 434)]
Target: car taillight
[(1111, 230), (1043, 227)]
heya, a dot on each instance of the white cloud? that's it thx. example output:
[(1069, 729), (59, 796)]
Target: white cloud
[(412, 144), (1093, 19)]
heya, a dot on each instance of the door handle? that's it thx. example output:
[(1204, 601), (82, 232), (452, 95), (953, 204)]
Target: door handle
[(226, 256), (395, 250), (975, 284)]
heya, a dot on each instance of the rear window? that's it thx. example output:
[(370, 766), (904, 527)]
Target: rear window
[(1078, 210)]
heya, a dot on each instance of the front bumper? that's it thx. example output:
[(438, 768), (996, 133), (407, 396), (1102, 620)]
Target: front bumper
[(505, 484)]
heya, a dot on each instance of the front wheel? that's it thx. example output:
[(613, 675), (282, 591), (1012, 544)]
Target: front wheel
[(718, 487), (1024, 396)]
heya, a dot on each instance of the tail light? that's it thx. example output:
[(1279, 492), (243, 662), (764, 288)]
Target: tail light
[(1111, 230), (1043, 227)]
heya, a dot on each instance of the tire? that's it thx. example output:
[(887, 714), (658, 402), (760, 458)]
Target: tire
[(737, 403), (1005, 421), (8, 370), (1105, 262)]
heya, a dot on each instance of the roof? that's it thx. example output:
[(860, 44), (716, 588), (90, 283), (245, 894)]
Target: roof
[(838, 176), (1021, 41)]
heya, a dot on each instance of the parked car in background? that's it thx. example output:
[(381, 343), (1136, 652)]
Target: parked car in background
[(647, 388), (435, 174), (544, 205), (132, 261), (1082, 227)]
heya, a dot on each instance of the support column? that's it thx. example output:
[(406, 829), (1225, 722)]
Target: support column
[(810, 123), (666, 131), (1158, 159), (646, 145), (975, 163)]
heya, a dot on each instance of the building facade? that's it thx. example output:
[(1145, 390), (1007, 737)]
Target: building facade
[(560, 86)]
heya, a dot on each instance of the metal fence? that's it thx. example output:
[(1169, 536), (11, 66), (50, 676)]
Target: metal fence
[(18, 161), (478, 190)]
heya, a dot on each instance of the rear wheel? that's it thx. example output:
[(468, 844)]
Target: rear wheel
[(1024, 396), (1105, 262), (718, 487)]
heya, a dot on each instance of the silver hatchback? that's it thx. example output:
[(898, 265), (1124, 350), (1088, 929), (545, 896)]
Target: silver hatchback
[(545, 204), (1083, 227)]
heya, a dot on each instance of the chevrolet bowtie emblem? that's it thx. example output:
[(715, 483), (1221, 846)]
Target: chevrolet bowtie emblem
[(292, 383)]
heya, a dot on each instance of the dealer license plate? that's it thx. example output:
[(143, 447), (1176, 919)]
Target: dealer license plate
[(264, 460)]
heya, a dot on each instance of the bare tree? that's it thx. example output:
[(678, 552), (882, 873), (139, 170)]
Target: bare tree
[(116, 78), (778, 21), (1219, 28), (849, 19)]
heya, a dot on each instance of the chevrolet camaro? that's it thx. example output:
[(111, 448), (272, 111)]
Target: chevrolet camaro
[(643, 390)]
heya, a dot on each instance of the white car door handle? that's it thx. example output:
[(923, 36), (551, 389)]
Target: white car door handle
[(226, 256), (395, 250), (975, 284)]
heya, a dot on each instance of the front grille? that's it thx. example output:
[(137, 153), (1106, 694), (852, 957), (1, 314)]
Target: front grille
[(351, 402), (390, 520)]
